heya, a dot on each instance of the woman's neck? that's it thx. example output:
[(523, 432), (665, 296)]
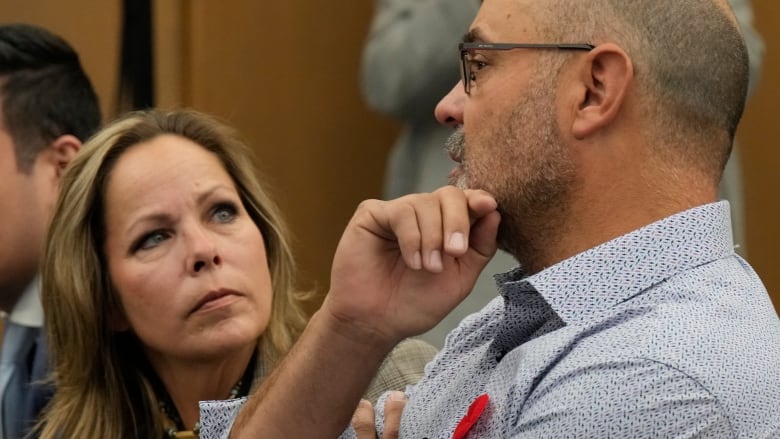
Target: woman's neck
[(188, 383)]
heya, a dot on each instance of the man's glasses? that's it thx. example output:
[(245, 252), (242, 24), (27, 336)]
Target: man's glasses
[(468, 76)]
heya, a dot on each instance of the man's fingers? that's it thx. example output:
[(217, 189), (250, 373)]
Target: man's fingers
[(363, 420), (429, 227), (402, 220), (483, 235), (455, 220), (429, 220), (394, 406), (480, 203)]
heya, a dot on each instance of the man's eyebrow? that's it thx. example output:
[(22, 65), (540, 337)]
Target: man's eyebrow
[(473, 36)]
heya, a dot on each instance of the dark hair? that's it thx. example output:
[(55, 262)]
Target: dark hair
[(45, 92)]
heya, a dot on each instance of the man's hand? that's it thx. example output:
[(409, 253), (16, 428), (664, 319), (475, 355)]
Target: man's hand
[(402, 265), (363, 419)]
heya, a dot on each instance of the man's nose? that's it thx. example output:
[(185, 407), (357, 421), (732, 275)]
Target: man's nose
[(449, 111)]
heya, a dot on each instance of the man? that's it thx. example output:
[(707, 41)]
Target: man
[(631, 315), (48, 108), (406, 84)]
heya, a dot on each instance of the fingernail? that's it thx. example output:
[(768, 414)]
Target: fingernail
[(365, 403), (435, 261), (457, 242), (396, 395), (417, 261)]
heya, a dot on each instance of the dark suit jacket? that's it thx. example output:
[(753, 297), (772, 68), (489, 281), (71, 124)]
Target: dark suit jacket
[(41, 390)]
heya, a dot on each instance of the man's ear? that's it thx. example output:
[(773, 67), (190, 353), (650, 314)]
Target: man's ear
[(607, 74), (51, 162), (62, 150)]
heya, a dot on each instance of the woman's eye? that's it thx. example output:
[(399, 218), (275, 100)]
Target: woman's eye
[(151, 240), (224, 213)]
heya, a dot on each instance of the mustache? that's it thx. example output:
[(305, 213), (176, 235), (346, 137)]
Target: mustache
[(455, 144)]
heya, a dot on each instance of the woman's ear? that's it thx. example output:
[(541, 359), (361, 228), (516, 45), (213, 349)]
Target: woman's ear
[(606, 76)]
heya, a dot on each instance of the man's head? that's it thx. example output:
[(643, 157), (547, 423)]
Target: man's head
[(548, 131), (47, 108)]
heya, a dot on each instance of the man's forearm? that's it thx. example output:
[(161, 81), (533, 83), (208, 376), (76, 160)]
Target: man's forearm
[(387, 284), (315, 389)]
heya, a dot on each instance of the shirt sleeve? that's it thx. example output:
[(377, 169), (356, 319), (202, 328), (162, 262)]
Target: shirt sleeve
[(637, 398), (217, 417)]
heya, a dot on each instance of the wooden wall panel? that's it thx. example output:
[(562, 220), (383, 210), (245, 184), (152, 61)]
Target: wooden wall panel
[(92, 27), (171, 50), (761, 155)]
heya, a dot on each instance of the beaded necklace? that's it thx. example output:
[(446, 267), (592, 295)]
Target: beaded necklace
[(173, 426)]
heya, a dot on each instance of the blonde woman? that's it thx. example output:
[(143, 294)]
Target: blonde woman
[(168, 279)]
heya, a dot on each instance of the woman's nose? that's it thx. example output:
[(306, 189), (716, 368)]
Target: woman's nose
[(203, 253)]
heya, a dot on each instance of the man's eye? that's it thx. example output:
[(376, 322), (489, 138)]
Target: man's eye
[(474, 67), (478, 65)]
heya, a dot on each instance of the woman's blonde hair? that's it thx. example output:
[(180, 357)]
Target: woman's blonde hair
[(101, 390)]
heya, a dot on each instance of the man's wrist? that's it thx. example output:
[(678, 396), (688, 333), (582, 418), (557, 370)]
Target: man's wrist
[(353, 335)]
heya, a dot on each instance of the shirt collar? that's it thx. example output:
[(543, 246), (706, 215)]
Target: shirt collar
[(624, 267), (28, 310)]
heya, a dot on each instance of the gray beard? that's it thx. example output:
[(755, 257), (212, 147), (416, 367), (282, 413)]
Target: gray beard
[(532, 221), (454, 146)]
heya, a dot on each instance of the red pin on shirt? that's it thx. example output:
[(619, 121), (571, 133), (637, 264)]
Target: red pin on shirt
[(475, 411)]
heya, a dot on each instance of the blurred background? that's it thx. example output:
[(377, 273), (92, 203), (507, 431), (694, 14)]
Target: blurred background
[(285, 74)]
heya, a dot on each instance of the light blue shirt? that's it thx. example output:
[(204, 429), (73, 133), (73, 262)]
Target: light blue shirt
[(663, 332)]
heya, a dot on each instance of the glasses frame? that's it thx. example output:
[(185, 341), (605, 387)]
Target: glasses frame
[(464, 48)]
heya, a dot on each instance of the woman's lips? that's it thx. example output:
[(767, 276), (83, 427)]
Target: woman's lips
[(215, 299)]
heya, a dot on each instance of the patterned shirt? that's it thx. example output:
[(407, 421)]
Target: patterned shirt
[(663, 332)]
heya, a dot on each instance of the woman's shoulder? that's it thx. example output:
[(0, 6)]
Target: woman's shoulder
[(405, 365)]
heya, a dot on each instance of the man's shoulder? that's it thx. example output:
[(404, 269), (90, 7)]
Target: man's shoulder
[(719, 343)]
